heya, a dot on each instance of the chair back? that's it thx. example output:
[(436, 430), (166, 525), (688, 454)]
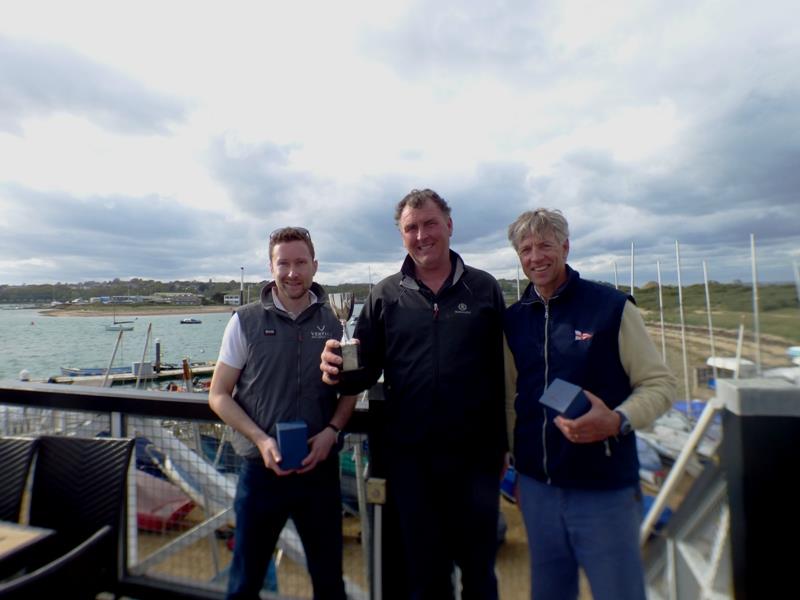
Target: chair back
[(75, 574), (15, 461), (79, 487)]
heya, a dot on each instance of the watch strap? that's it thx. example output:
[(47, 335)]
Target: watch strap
[(624, 423), (336, 430)]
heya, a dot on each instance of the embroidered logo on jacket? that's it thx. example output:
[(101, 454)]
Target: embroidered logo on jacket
[(270, 332), (582, 336), (462, 309)]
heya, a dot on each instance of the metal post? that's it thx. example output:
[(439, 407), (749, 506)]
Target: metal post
[(756, 324), (157, 366), (376, 495), (361, 493)]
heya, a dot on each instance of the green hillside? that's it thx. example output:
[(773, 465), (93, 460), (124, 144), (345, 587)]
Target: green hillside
[(731, 305)]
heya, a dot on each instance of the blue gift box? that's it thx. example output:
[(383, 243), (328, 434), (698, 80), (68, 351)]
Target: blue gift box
[(508, 484), (566, 398), (292, 439)]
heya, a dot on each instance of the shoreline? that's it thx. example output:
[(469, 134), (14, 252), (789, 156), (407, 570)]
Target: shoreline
[(123, 311)]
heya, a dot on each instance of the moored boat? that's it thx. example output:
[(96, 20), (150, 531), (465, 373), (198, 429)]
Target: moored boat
[(94, 371)]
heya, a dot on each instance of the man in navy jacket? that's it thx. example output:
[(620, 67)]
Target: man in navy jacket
[(579, 478)]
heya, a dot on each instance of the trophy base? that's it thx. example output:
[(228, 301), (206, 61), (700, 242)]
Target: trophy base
[(350, 361)]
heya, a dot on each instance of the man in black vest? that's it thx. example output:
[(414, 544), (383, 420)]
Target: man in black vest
[(579, 477), (267, 373), (435, 332)]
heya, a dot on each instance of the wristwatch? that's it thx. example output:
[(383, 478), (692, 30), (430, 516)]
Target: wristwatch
[(624, 424), (337, 431)]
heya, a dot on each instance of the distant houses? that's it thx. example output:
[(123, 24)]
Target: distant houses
[(176, 298)]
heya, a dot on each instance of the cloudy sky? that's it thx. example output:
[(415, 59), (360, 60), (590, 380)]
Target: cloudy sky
[(165, 140)]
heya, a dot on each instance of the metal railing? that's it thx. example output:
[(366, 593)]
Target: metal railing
[(181, 486), (179, 514)]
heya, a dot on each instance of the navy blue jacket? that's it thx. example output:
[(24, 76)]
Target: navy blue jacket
[(573, 336)]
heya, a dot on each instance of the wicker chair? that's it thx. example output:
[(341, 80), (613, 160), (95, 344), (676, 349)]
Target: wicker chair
[(79, 488), (15, 461), (70, 575)]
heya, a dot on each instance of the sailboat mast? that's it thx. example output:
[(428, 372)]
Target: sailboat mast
[(632, 279), (616, 282), (710, 327), (797, 280), (683, 326), (661, 312), (241, 289)]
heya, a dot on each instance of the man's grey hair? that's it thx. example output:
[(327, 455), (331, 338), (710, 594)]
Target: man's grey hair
[(417, 199), (538, 223)]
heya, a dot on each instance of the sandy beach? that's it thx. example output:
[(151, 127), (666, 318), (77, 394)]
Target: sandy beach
[(134, 311)]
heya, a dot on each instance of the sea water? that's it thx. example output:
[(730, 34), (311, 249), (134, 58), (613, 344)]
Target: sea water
[(42, 345)]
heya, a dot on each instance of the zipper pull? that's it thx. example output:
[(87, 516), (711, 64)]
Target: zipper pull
[(435, 310), (608, 447)]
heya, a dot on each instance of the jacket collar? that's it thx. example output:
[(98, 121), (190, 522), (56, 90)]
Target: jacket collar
[(531, 296), (409, 272), (318, 295)]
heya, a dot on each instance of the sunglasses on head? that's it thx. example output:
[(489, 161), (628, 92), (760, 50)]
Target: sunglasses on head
[(281, 231)]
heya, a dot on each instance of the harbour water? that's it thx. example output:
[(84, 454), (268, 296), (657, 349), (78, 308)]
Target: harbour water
[(42, 344)]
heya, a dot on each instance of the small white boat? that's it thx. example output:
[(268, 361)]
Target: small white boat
[(119, 325), (190, 321)]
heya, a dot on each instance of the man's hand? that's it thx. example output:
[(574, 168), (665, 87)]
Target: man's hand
[(268, 448), (330, 362), (320, 447), (596, 425)]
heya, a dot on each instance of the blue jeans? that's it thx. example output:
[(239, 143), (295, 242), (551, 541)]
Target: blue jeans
[(263, 504), (594, 529)]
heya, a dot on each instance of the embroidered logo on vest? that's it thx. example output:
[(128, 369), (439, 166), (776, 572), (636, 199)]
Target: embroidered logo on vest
[(319, 333), (270, 332), (462, 309)]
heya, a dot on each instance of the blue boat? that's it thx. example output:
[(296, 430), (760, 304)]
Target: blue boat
[(94, 371)]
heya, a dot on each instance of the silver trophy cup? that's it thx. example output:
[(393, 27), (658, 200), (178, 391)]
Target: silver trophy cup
[(342, 306)]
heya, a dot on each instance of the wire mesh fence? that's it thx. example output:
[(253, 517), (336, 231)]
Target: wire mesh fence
[(181, 487)]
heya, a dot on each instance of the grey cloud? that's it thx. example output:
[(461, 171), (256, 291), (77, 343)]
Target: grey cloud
[(116, 236), (737, 175), (486, 204), (39, 79), (259, 178)]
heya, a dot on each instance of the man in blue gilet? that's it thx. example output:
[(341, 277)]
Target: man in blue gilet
[(579, 478)]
